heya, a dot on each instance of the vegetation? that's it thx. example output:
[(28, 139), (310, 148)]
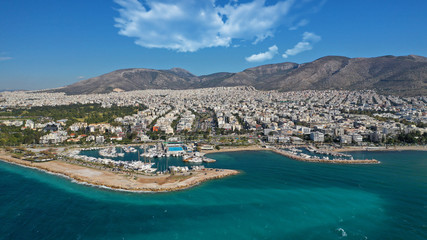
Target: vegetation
[(414, 137), (150, 127), (175, 122), (384, 119), (25, 154), (244, 124), (90, 113), (14, 136), (302, 123)]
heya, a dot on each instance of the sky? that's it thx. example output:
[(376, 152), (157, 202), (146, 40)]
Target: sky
[(53, 43)]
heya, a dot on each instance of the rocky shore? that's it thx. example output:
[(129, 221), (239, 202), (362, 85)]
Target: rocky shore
[(121, 181)]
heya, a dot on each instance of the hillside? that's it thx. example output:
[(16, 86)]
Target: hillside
[(404, 75), (133, 79)]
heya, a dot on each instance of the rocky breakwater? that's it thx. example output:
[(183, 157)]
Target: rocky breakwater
[(307, 158), (196, 178)]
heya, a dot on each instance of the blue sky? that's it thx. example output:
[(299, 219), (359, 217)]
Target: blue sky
[(52, 43)]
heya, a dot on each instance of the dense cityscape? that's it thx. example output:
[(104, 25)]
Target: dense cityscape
[(220, 117), (207, 119)]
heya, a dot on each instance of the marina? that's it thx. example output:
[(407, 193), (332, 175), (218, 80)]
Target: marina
[(133, 176), (159, 158), (359, 200)]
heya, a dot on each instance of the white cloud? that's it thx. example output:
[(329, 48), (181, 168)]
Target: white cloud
[(5, 58), (190, 25), (308, 40), (310, 37), (301, 23), (260, 57)]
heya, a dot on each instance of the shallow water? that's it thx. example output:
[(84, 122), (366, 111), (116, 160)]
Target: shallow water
[(273, 198)]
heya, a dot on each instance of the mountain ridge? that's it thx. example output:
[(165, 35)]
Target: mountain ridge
[(400, 75)]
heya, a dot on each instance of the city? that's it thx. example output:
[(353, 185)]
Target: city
[(213, 119), (229, 116)]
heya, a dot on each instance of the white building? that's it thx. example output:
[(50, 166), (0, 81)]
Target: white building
[(357, 138), (317, 137), (29, 124), (99, 139), (345, 139)]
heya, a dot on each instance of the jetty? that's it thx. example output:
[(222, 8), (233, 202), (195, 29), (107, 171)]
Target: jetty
[(309, 158), (197, 157)]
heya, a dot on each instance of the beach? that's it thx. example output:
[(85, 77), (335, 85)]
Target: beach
[(236, 149), (121, 181)]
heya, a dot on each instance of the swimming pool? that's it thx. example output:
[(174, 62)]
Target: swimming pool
[(175, 149)]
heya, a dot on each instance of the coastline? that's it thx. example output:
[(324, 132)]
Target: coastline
[(236, 149), (379, 149), (335, 161), (120, 181), (298, 158), (168, 182), (344, 149)]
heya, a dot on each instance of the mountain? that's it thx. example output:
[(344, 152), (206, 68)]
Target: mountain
[(404, 75), (134, 79)]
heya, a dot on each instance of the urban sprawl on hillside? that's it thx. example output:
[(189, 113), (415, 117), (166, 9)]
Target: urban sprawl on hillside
[(224, 116)]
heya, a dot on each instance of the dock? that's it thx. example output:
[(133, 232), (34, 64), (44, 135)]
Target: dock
[(308, 158)]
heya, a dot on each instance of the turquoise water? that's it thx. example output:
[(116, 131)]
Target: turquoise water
[(274, 198), (172, 149)]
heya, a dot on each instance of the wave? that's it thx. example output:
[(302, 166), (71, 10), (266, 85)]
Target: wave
[(342, 232)]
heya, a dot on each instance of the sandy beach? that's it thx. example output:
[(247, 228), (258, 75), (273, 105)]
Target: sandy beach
[(236, 149), (120, 181)]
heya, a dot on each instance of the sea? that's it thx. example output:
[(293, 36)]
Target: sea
[(273, 197)]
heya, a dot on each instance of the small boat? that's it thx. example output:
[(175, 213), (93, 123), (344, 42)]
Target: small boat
[(195, 160), (208, 160), (310, 149)]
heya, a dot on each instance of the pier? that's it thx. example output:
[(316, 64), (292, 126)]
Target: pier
[(308, 158)]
